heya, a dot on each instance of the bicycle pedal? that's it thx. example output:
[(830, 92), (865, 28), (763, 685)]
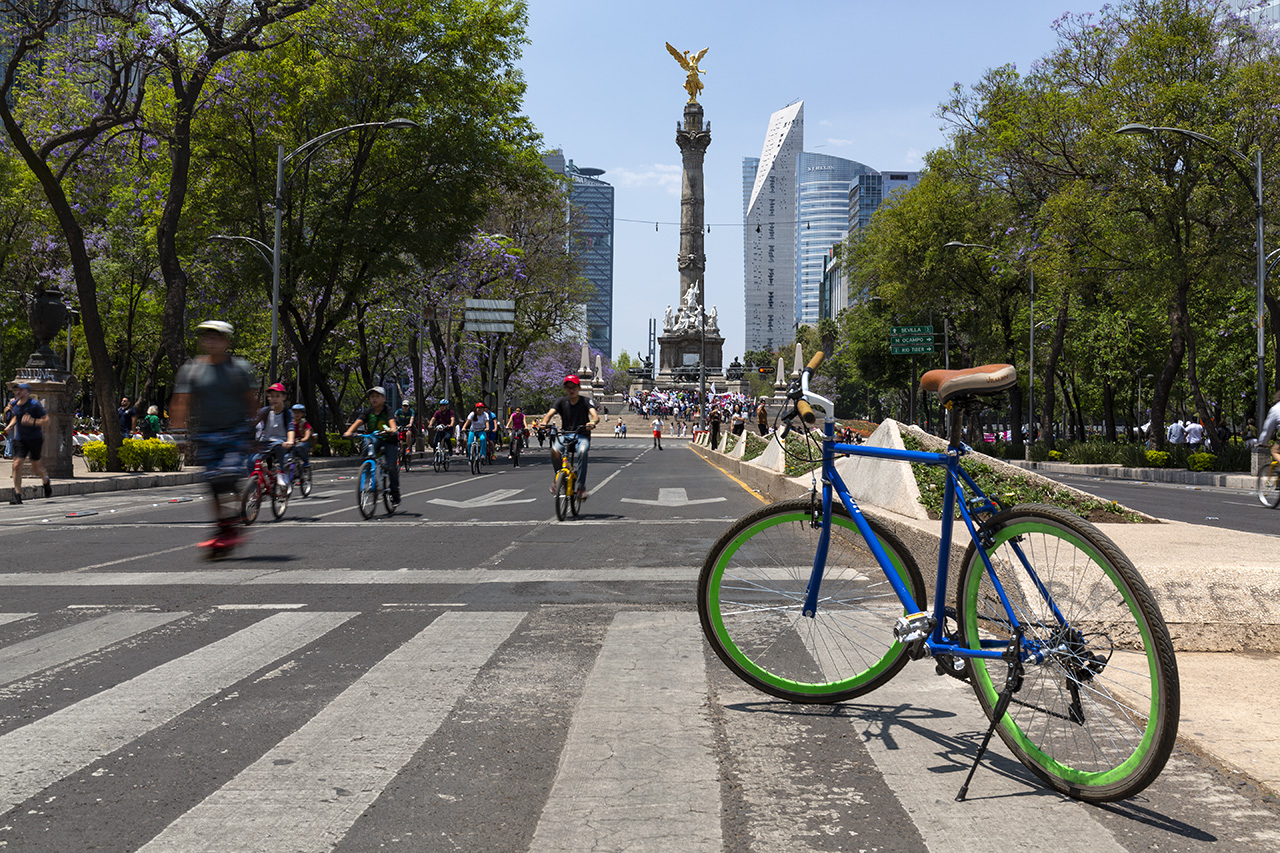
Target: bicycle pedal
[(912, 631)]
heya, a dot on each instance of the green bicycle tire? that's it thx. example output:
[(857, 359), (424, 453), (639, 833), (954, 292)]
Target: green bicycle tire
[(1097, 719), (751, 593)]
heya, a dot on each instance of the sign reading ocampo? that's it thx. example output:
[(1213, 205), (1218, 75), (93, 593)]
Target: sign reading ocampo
[(491, 315)]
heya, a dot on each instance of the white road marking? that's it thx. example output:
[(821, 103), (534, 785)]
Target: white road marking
[(498, 497), (53, 747), (639, 749), (673, 498), (308, 790), (66, 644), (6, 618), (133, 558)]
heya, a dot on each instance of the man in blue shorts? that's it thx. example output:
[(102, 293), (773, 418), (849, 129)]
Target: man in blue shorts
[(27, 426), (214, 391)]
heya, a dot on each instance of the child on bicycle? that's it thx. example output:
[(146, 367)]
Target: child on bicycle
[(577, 415), (380, 423), (274, 427), (302, 436)]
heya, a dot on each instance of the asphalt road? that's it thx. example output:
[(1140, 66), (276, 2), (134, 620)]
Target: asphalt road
[(470, 674), (1229, 509)]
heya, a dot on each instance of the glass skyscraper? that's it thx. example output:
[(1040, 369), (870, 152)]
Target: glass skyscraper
[(822, 220), (769, 233), (592, 242)]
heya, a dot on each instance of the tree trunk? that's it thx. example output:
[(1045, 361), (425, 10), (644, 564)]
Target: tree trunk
[(1055, 353), (1168, 375), (1109, 409)]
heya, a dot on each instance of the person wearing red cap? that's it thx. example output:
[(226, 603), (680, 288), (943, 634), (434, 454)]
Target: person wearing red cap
[(578, 416), (274, 427)]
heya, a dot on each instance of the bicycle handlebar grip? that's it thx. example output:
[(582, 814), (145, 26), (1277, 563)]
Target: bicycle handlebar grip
[(805, 410), (815, 362)]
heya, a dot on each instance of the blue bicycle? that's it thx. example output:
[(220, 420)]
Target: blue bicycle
[(373, 480), (812, 601)]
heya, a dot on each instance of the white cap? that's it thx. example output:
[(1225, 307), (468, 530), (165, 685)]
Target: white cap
[(219, 326)]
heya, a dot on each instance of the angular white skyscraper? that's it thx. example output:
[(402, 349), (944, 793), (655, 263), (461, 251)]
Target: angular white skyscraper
[(769, 238)]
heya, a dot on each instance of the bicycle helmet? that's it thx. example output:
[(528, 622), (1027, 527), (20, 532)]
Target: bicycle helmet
[(479, 405), (298, 407), (444, 402)]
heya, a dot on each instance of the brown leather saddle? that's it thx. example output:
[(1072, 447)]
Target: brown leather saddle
[(970, 382)]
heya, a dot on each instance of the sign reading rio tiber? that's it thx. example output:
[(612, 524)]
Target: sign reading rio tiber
[(911, 340)]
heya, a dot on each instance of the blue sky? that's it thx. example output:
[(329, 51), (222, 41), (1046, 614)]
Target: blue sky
[(602, 86)]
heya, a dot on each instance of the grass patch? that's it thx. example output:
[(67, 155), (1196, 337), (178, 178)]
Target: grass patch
[(755, 446), (1011, 490)]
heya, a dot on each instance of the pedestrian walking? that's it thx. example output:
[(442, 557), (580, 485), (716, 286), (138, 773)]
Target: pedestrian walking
[(715, 428), (128, 416), (27, 428), (150, 423), (1195, 436), (1176, 433), (739, 420), (657, 432), (213, 394), (762, 417)]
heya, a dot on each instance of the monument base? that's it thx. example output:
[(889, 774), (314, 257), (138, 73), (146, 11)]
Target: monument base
[(681, 355)]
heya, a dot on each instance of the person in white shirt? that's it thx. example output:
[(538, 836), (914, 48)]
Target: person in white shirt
[(657, 432)]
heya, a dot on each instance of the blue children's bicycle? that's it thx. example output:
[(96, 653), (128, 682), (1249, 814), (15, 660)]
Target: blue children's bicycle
[(812, 601)]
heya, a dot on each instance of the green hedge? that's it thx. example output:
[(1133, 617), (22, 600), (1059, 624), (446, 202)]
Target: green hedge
[(149, 454), (339, 446), (1202, 462)]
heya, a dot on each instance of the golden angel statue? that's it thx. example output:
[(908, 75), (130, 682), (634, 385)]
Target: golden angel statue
[(692, 83)]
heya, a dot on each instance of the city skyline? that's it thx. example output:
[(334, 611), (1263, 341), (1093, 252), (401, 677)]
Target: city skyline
[(614, 100)]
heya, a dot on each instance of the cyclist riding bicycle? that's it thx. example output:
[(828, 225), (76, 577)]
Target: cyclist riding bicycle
[(302, 435), (577, 415), (515, 426), (274, 427), (477, 427), (492, 437), (406, 417), (378, 420), (443, 417), (1269, 425)]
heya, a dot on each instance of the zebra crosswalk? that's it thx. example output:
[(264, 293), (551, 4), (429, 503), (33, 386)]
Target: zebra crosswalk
[(557, 728)]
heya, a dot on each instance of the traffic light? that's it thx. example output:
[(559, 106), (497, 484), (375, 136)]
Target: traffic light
[(764, 371)]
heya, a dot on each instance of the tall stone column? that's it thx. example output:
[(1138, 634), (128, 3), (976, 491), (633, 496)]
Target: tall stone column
[(693, 140)]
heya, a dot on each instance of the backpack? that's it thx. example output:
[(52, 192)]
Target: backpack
[(146, 427)]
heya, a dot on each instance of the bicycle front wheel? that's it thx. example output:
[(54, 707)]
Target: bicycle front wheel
[(386, 495), (1096, 720), (279, 499), (562, 495), (367, 489), (251, 501), (751, 595), (1269, 485), (304, 481)]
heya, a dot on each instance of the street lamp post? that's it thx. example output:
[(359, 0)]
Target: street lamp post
[(1031, 354), (1256, 186)]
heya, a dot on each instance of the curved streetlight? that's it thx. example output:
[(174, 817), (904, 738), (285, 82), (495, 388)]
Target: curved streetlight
[(306, 149), (1256, 186), (1031, 355)]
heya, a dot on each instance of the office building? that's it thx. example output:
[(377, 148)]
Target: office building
[(869, 190), (769, 235), (822, 220), (592, 242)]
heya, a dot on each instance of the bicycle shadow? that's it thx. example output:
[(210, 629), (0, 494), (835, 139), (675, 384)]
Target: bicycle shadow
[(890, 724)]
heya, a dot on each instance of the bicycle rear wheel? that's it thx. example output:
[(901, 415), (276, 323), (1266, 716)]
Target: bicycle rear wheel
[(304, 481), (386, 494), (251, 500), (751, 592), (1097, 719), (367, 489), (562, 495), (1269, 484)]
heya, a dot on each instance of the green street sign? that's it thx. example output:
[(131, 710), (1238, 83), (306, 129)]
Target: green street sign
[(911, 350), (911, 339), (912, 330)]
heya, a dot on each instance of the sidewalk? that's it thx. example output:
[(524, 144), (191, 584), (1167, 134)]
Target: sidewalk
[(1149, 475), (1220, 596), (86, 482)]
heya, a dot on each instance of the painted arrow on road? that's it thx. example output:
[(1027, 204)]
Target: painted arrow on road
[(498, 497), (672, 497)]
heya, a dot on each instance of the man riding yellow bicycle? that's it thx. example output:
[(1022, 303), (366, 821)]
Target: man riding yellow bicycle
[(577, 416)]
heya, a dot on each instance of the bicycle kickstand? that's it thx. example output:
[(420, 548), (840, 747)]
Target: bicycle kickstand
[(1012, 683)]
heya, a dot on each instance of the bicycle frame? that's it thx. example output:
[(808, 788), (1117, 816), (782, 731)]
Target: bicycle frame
[(958, 483)]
